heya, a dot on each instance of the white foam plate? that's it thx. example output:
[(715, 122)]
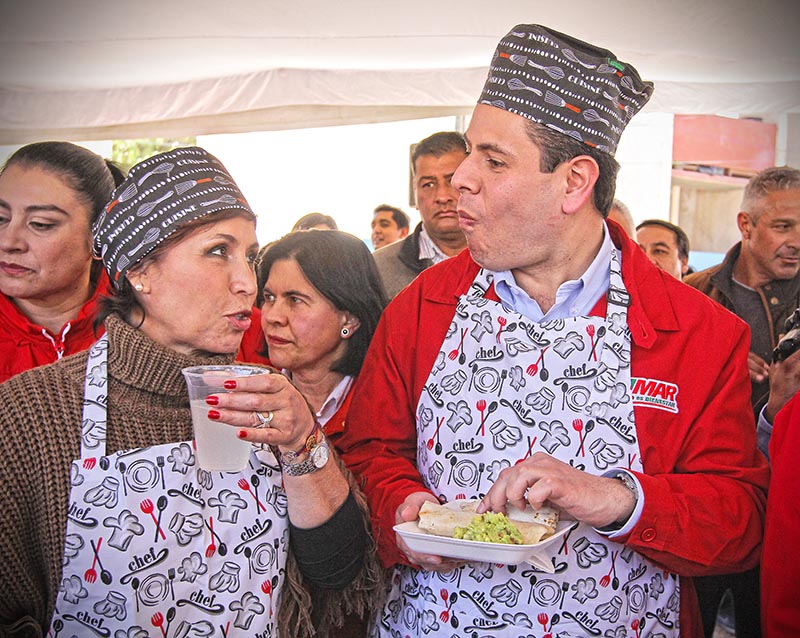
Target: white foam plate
[(538, 554)]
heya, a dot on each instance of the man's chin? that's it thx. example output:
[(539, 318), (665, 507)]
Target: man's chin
[(484, 258), (787, 270)]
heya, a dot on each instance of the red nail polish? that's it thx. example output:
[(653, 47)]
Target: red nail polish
[(213, 415), (242, 434), (229, 385), (212, 400)]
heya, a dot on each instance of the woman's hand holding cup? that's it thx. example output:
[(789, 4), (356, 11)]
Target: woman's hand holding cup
[(267, 408)]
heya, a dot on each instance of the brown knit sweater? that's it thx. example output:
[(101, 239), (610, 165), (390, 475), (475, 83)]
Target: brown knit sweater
[(40, 418)]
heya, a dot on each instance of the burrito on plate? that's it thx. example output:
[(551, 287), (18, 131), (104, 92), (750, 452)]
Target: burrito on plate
[(533, 525)]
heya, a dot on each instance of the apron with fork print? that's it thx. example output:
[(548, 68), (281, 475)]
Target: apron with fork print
[(501, 389), (154, 543)]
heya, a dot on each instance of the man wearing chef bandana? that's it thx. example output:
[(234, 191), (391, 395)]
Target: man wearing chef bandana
[(553, 363)]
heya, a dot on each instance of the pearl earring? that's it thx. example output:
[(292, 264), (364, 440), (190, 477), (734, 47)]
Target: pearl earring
[(138, 287), (345, 332)]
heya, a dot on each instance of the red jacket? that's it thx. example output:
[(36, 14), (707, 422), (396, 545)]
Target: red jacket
[(24, 345), (253, 342), (704, 481), (780, 562)]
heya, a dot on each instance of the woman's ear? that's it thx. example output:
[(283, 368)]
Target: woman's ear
[(138, 280), (351, 324)]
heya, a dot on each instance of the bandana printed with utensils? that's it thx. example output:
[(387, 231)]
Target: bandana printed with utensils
[(160, 195), (569, 86)]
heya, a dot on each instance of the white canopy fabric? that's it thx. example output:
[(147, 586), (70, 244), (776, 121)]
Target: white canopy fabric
[(95, 69)]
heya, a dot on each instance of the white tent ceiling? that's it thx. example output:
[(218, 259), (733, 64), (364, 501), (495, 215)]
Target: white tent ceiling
[(101, 69)]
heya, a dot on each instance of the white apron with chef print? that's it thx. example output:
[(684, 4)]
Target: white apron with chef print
[(156, 546), (502, 388)]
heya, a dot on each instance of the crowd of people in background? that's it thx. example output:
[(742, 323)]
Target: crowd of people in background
[(526, 343)]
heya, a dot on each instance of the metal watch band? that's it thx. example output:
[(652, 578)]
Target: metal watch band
[(628, 482), (317, 459)]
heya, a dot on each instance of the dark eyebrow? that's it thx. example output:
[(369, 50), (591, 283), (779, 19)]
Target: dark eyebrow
[(488, 147), (492, 148), (231, 239), (37, 208), (434, 177), (288, 293)]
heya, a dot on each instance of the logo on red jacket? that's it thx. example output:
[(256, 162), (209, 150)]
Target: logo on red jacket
[(653, 393)]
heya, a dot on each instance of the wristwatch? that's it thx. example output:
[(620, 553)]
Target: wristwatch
[(318, 454), (628, 482)]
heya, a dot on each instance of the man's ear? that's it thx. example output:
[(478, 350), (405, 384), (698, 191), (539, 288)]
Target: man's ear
[(403, 232), (581, 175), (745, 224)]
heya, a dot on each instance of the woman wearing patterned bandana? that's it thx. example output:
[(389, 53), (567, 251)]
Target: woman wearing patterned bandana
[(109, 526), (50, 195)]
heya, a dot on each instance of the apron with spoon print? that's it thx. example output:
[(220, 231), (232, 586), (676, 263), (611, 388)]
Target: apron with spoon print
[(561, 387), (156, 544)]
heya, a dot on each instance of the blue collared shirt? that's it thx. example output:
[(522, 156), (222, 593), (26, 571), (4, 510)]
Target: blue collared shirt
[(574, 298)]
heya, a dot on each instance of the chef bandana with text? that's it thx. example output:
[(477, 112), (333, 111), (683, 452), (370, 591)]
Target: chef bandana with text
[(159, 196), (501, 389), (565, 84)]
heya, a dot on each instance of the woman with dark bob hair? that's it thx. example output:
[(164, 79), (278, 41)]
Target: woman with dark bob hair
[(111, 526), (50, 195), (323, 298)]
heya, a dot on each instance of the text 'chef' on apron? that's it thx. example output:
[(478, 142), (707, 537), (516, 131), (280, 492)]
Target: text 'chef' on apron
[(158, 546), (502, 388)]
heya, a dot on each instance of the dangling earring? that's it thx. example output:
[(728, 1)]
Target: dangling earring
[(138, 287), (345, 333)]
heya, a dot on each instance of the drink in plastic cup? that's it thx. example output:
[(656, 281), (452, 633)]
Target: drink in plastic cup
[(218, 447)]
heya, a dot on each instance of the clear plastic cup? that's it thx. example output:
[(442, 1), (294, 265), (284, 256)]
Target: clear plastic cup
[(218, 447)]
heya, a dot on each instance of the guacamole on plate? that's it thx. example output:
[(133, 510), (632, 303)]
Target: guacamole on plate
[(490, 527)]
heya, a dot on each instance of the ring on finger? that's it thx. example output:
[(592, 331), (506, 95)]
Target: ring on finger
[(263, 421)]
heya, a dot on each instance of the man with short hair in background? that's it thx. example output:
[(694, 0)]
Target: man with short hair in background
[(437, 236), (759, 280), (389, 224), (665, 244)]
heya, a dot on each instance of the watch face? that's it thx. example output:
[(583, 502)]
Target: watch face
[(320, 456)]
